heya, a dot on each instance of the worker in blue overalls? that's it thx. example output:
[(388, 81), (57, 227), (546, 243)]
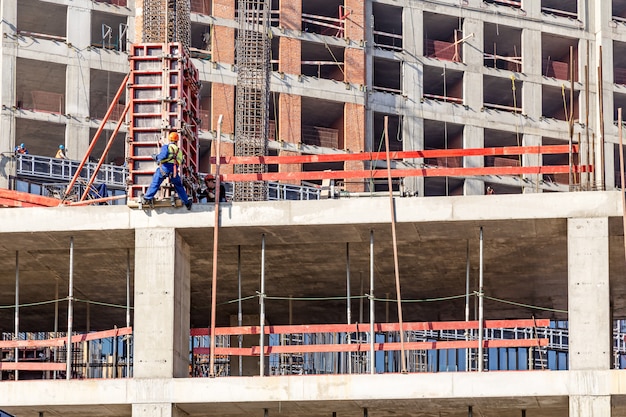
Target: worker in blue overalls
[(170, 158)]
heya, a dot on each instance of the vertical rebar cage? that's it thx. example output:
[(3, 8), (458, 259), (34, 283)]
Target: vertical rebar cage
[(252, 99), (167, 21)]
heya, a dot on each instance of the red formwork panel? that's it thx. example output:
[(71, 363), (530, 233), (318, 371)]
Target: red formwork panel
[(164, 97)]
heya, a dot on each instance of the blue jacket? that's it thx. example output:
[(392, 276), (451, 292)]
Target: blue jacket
[(165, 159)]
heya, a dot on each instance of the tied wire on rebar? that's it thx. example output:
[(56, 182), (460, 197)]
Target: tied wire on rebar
[(252, 97)]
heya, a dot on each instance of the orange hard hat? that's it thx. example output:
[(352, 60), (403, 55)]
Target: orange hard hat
[(173, 137)]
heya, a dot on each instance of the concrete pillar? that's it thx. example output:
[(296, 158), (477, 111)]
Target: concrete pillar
[(600, 13), (473, 137), (78, 27), (531, 64), (589, 315), (162, 303), (77, 86), (8, 62), (531, 160), (590, 331), (473, 57), (413, 90), (531, 97), (531, 103), (532, 9), (156, 410), (589, 405)]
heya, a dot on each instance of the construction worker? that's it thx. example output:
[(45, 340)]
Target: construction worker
[(170, 158), (21, 149), (208, 191), (61, 153)]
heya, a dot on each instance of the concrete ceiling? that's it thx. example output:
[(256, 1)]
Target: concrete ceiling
[(525, 263)]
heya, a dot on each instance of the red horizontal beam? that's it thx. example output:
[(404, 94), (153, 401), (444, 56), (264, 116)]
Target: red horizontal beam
[(364, 327), (32, 366), (376, 156), (60, 341), (27, 199), (5, 202), (365, 347), (416, 172)]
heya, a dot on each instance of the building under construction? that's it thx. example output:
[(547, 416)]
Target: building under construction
[(424, 215)]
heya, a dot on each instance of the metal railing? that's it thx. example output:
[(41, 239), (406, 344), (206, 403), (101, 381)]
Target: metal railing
[(114, 176), (278, 191), (54, 169)]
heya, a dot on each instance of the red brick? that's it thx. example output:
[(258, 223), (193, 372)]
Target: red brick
[(354, 133), (291, 15), (355, 22), (354, 66), (290, 61)]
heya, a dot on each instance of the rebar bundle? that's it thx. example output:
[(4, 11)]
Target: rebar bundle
[(252, 100)]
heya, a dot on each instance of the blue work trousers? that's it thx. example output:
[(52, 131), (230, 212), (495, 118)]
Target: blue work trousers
[(162, 172)]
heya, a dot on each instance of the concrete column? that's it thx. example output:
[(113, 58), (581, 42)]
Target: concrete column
[(156, 410), (531, 99), (600, 13), (473, 137), (8, 62), (413, 90), (413, 139), (473, 58), (589, 315), (77, 86), (78, 27), (413, 33), (588, 294), (532, 8), (162, 303), (531, 64), (589, 405), (531, 160)]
